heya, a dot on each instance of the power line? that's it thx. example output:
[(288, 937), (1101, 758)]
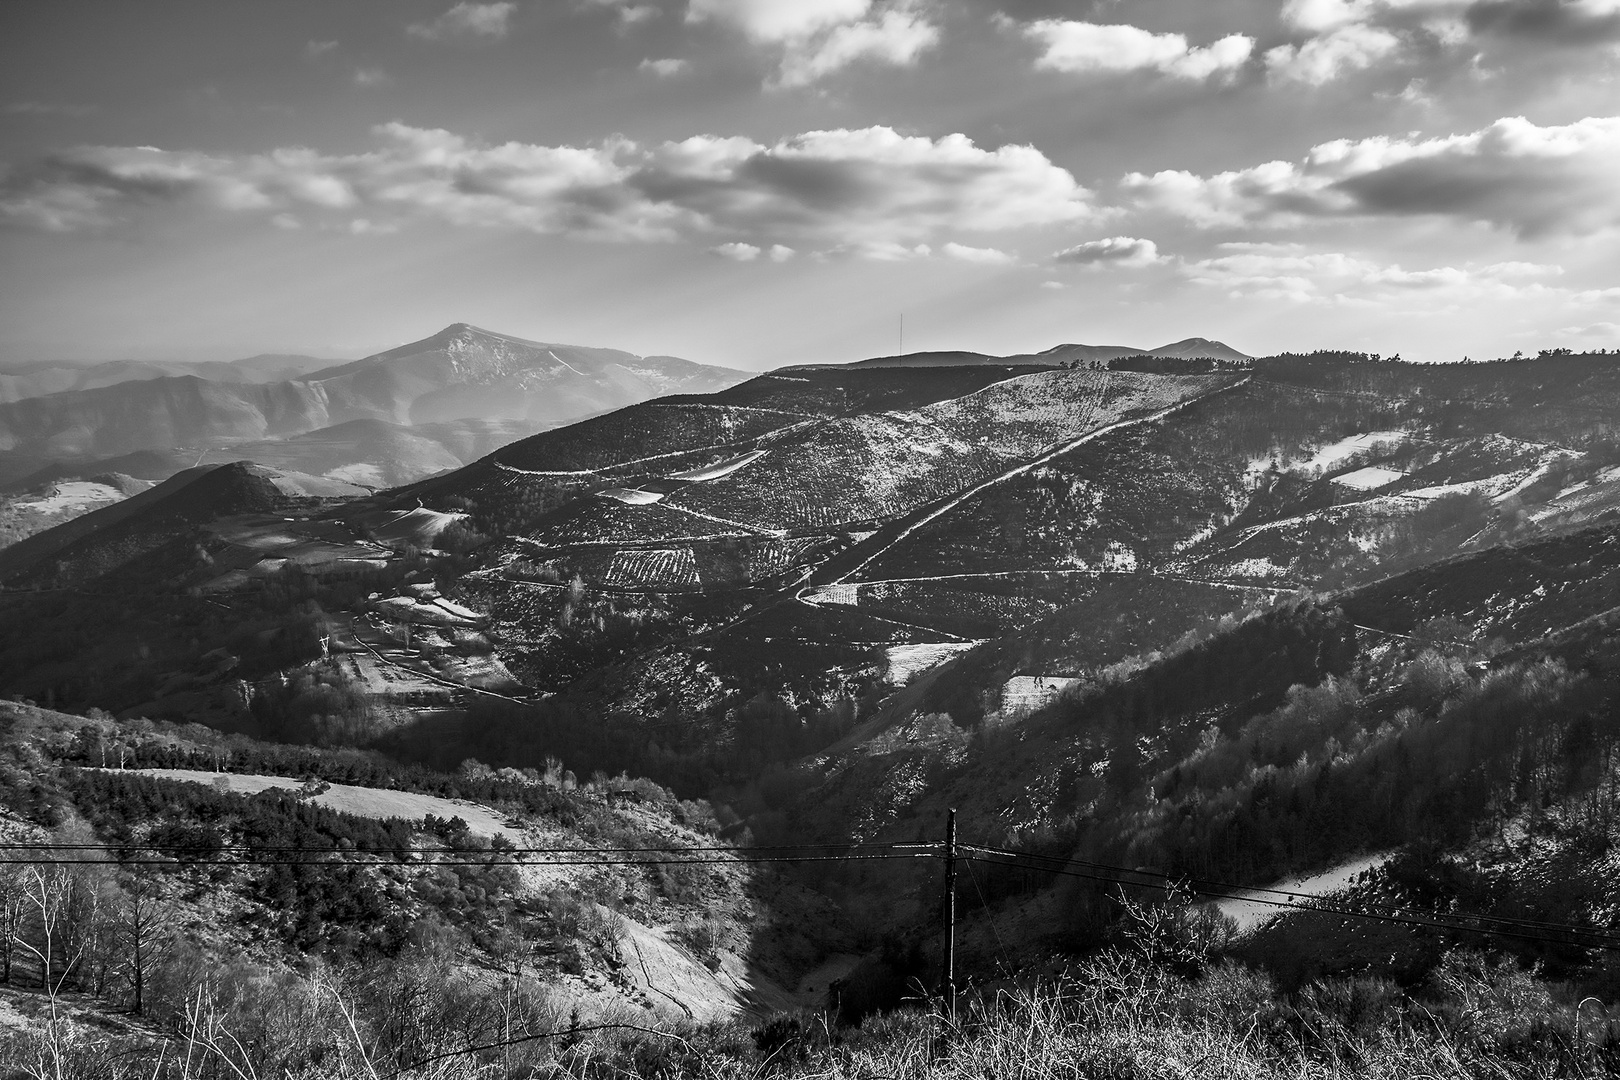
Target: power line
[(1594, 939), (1243, 892)]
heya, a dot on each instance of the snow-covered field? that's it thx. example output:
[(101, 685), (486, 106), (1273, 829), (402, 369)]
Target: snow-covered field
[(1370, 478), (721, 470), (906, 662), (71, 495), (1325, 459), (1250, 913), (349, 799), (1023, 692)]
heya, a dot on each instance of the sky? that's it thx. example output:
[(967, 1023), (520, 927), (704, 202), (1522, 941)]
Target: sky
[(762, 182)]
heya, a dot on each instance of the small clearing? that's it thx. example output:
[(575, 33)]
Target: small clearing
[(365, 802)]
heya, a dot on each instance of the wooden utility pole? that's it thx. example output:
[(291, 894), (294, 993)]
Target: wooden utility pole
[(950, 916)]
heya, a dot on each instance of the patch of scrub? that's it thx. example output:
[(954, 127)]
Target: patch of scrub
[(1370, 478)]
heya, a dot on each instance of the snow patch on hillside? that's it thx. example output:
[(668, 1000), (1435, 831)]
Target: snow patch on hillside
[(1024, 693), (71, 495), (1328, 457), (1370, 478), (906, 662)]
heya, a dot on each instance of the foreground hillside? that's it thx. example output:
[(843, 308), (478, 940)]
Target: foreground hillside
[(162, 848)]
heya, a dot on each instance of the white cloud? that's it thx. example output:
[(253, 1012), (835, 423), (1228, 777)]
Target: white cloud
[(1288, 272), (982, 255), (779, 21), (1453, 21), (1082, 47), (371, 77), (1112, 251), (315, 49), (1322, 59), (872, 190), (666, 68), (736, 251), (1053, 285), (884, 250), (896, 38), (781, 253), (1514, 174), (1607, 331), (467, 19), (820, 37)]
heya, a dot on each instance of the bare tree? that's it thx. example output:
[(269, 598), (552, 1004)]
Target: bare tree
[(13, 906), (143, 923)]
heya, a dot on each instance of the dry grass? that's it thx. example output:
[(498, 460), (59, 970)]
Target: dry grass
[(1112, 1018)]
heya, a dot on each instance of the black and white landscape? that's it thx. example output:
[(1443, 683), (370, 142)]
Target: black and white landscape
[(1089, 605)]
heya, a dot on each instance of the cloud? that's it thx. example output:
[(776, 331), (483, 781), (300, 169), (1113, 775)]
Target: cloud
[(1571, 22), (736, 251), (314, 50), (467, 20), (1113, 251), (779, 21), (1513, 174), (1567, 21), (781, 253), (664, 69), (982, 255), (1054, 285), (1082, 47), (896, 38), (1606, 330), (1288, 272), (1322, 59), (871, 190), (883, 250), (371, 77), (819, 37)]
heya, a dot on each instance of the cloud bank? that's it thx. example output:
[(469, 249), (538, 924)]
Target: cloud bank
[(841, 187), (1084, 47), (1513, 174)]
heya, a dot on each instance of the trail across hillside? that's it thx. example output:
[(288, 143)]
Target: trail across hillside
[(880, 544)]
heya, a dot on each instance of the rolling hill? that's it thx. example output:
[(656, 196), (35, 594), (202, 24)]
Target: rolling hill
[(1321, 617), (388, 419)]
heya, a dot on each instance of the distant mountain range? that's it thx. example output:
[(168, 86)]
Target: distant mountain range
[(1066, 355), (36, 380), (487, 387)]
